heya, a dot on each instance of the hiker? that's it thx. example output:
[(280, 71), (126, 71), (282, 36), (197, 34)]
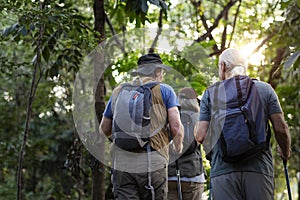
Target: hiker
[(190, 165), (140, 171), (252, 178)]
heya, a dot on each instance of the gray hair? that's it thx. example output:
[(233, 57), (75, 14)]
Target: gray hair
[(234, 62), (152, 74)]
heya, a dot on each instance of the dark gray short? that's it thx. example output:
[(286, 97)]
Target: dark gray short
[(242, 186)]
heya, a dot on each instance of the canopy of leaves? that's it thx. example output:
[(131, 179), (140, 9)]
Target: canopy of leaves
[(61, 32)]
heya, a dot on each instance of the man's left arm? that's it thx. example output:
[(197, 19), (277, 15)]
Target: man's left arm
[(280, 127), (176, 127), (171, 102)]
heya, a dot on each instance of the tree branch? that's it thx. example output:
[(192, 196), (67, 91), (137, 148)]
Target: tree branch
[(224, 34), (276, 70), (34, 84), (203, 20), (216, 22), (197, 4), (267, 39), (234, 22), (159, 30), (113, 31)]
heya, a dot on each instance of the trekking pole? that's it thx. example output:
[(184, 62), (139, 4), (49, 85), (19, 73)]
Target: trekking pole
[(178, 181), (287, 179)]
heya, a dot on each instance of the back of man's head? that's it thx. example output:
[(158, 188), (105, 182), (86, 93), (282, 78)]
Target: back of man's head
[(234, 62)]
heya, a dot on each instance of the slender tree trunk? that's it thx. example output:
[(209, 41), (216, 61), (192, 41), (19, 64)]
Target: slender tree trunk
[(98, 178), (34, 84), (159, 30), (99, 17), (36, 77), (276, 70)]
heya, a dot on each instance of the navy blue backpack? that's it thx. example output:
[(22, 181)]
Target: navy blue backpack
[(238, 119)]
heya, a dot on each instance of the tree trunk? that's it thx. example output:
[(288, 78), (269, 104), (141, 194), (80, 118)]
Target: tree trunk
[(276, 70), (36, 77), (98, 178)]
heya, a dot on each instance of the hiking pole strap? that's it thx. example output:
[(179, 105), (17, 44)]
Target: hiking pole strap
[(149, 186), (239, 90), (176, 164), (287, 179), (178, 181)]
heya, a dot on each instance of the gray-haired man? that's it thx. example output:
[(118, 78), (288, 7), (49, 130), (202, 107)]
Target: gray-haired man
[(254, 178)]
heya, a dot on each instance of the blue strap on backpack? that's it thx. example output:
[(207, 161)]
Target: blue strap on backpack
[(238, 118)]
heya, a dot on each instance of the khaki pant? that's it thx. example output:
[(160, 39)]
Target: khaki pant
[(190, 190), (133, 186)]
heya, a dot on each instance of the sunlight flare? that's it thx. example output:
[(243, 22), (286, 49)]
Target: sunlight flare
[(254, 57)]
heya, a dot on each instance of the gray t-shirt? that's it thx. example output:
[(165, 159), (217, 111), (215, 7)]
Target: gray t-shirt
[(263, 163)]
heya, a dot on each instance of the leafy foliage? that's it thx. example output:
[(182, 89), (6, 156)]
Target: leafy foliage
[(67, 36), (137, 9)]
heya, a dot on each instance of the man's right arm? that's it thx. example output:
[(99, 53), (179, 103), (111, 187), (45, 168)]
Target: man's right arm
[(200, 131), (282, 135), (201, 128), (176, 127), (105, 126)]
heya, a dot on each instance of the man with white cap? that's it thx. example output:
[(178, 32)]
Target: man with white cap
[(141, 173)]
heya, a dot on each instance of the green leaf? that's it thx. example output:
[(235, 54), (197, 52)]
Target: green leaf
[(144, 6), (51, 43), (131, 17), (23, 31), (16, 37), (138, 22), (67, 58), (292, 59), (7, 31), (163, 4), (53, 71), (32, 27), (155, 2), (46, 53)]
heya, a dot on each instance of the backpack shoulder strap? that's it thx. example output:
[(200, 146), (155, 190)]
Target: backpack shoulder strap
[(156, 93), (159, 123), (243, 87), (151, 84), (187, 114), (118, 89), (115, 95)]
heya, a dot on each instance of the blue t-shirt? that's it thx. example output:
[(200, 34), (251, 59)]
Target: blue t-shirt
[(263, 163), (168, 96)]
